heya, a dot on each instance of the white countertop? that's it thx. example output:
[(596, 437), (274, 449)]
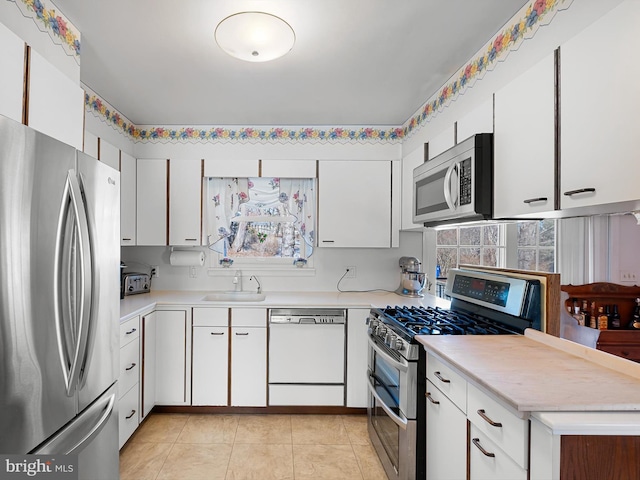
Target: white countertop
[(142, 303)]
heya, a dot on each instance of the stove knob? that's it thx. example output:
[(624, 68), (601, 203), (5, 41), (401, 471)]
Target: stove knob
[(390, 339), (381, 331), (398, 345)]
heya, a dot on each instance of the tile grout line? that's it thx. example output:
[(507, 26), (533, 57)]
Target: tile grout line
[(173, 444)]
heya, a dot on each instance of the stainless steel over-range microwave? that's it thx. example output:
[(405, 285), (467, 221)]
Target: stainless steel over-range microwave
[(457, 185)]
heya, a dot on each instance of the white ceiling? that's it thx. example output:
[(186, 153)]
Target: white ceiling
[(355, 62)]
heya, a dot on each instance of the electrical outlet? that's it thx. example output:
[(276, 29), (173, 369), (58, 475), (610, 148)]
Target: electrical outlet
[(628, 276), (193, 272), (155, 271), (351, 271)]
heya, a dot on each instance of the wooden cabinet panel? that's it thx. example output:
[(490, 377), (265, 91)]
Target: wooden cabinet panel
[(409, 163), (230, 168), (357, 365), (478, 120), (210, 366), (289, 168), (109, 154), (248, 367), (171, 356), (148, 363)]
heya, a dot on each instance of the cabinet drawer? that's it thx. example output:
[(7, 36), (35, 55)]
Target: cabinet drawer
[(129, 330), (211, 317), (500, 424), (488, 462), (127, 415), (129, 367), (248, 317), (452, 384)]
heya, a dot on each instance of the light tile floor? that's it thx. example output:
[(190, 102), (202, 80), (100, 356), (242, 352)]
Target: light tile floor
[(264, 447)]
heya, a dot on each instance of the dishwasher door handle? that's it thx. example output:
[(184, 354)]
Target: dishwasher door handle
[(307, 320)]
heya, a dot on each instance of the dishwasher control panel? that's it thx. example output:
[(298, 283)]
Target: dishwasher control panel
[(307, 315)]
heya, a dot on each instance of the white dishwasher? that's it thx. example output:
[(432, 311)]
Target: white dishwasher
[(307, 356)]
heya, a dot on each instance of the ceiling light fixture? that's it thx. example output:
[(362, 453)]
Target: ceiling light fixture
[(255, 36)]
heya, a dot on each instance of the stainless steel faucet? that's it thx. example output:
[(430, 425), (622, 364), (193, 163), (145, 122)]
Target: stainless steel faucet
[(237, 280), (253, 277)]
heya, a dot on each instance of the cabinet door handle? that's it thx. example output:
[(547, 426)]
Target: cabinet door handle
[(441, 378), (217, 333), (488, 420), (430, 398), (126, 239), (537, 199), (190, 239), (130, 331), (242, 333), (580, 190), (133, 412), (328, 241), (130, 367), (625, 353), (476, 442)]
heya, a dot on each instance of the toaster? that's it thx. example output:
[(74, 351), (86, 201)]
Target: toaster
[(134, 283)]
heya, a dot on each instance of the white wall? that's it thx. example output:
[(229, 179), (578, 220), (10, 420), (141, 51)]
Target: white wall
[(375, 269)]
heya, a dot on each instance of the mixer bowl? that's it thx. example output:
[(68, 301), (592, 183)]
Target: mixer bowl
[(412, 284)]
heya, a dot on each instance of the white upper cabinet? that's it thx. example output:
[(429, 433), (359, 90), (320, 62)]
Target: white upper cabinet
[(12, 78), (524, 143), (56, 103), (289, 168), (409, 163), (354, 204), (127, 199), (90, 144), (185, 201), (151, 202), (600, 101), (230, 168), (109, 154), (478, 120)]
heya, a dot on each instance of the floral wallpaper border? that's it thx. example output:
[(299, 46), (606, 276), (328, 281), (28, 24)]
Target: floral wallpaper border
[(526, 23), (47, 19), (530, 18)]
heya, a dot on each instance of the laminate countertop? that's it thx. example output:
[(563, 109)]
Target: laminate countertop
[(536, 372), (145, 302)]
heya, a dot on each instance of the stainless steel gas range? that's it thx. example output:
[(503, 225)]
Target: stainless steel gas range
[(482, 303)]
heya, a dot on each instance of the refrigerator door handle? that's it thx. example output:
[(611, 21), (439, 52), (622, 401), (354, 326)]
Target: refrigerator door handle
[(81, 430), (72, 333)]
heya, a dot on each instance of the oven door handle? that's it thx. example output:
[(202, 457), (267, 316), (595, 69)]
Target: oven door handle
[(401, 422), (404, 367)]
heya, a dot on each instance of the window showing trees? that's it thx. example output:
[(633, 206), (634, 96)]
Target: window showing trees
[(536, 245), (473, 245)]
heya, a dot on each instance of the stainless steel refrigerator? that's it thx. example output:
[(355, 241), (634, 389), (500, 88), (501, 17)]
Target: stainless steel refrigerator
[(59, 301)]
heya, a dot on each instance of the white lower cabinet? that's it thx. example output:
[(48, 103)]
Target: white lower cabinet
[(210, 358), (148, 363), (248, 357), (129, 379), (173, 344), (357, 347), (488, 462), (446, 437)]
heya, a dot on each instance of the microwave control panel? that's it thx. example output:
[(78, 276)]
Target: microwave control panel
[(465, 182)]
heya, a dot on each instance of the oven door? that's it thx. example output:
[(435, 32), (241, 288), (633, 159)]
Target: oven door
[(393, 434)]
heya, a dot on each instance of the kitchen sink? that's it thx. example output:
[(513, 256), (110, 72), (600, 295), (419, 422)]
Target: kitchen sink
[(234, 296)]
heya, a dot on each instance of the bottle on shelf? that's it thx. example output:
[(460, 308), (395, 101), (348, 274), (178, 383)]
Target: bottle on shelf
[(603, 319), (585, 313), (634, 324), (577, 314), (593, 321), (615, 318)]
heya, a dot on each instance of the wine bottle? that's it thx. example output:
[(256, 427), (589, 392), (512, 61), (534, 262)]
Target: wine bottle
[(634, 324), (593, 322), (585, 313), (615, 318)]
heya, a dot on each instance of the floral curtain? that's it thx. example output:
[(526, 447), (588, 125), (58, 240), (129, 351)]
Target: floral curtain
[(224, 197), (230, 201)]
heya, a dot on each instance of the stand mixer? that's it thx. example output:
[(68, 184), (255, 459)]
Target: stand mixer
[(412, 280)]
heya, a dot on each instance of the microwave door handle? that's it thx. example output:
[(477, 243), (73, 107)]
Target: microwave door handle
[(447, 186)]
